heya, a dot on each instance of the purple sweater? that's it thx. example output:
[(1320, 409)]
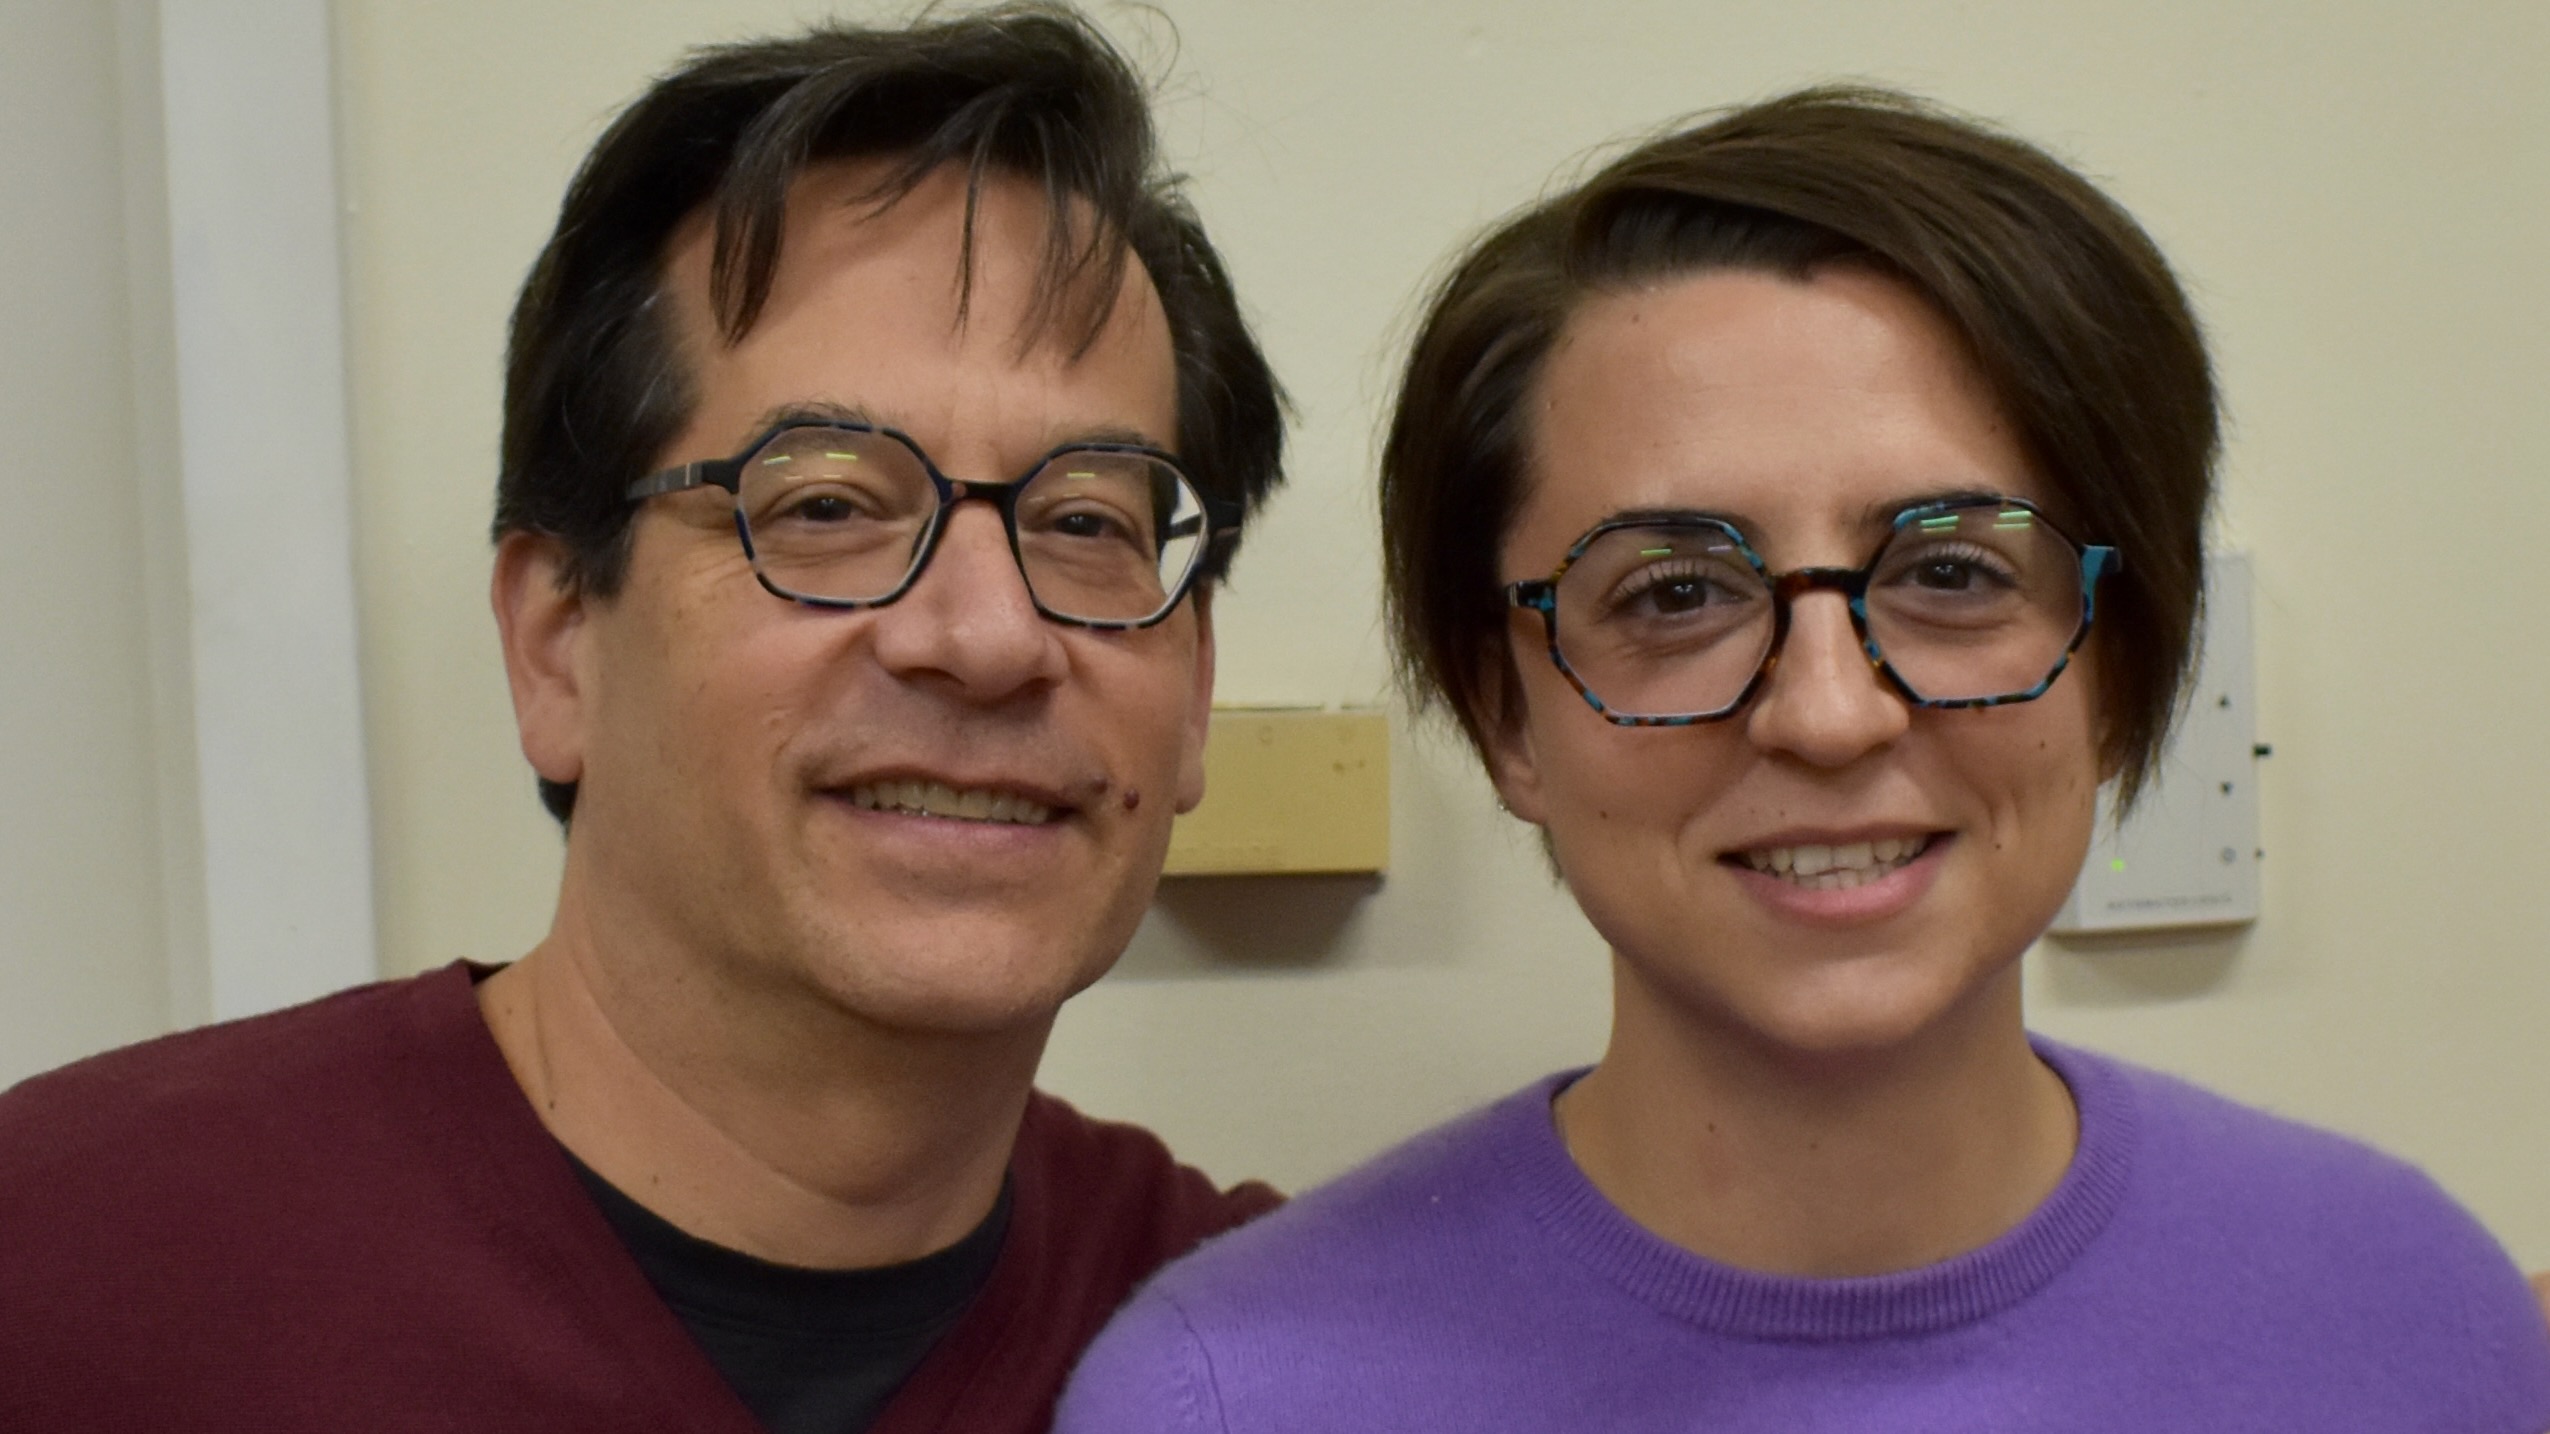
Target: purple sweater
[(2201, 1267)]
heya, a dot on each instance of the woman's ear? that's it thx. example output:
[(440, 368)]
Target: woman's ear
[(1505, 734)]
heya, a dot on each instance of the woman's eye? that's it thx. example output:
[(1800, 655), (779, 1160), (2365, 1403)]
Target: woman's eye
[(1666, 593), (1677, 595), (1955, 573)]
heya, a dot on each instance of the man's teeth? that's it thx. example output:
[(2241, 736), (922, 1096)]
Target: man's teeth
[(937, 799), (1836, 868)]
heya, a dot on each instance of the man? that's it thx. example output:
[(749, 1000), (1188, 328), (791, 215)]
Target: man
[(877, 421)]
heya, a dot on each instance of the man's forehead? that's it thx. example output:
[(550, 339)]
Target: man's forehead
[(1004, 247), (877, 313)]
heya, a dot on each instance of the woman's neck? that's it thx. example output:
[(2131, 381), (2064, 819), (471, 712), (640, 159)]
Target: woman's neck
[(1836, 1164)]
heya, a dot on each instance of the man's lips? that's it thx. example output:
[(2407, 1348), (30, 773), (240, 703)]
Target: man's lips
[(994, 800)]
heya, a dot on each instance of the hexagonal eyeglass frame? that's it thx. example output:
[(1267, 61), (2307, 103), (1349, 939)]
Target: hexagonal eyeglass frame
[(1186, 522)]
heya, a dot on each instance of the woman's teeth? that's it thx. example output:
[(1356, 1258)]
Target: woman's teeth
[(1836, 868), (936, 799)]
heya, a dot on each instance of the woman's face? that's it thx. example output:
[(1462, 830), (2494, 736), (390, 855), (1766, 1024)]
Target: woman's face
[(1807, 414)]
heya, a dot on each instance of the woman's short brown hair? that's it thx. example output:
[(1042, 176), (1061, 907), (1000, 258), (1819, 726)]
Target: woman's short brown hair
[(2072, 316)]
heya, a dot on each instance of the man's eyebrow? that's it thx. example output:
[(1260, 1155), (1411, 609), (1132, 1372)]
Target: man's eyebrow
[(807, 410), (1111, 433)]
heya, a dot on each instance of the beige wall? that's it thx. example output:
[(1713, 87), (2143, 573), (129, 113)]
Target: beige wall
[(82, 956), (2357, 193)]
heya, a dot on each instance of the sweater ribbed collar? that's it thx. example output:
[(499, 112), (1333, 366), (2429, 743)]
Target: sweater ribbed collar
[(1747, 1304)]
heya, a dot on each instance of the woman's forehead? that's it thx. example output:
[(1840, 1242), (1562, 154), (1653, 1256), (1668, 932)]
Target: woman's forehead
[(1811, 409)]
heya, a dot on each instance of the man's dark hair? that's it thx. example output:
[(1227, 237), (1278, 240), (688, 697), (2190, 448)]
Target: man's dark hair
[(595, 385), (2070, 312)]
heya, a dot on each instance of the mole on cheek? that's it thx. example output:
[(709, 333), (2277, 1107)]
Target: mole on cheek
[(1132, 799)]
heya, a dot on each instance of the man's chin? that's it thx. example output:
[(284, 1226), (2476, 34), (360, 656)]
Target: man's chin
[(962, 994)]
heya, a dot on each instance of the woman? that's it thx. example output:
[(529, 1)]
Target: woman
[(1803, 517)]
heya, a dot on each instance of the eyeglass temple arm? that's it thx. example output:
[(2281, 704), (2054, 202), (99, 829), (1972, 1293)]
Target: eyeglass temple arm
[(707, 472)]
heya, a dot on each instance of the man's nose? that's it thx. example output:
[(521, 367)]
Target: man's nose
[(968, 620), (1824, 700)]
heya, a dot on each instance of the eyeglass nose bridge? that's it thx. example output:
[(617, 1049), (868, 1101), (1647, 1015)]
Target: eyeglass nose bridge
[(1002, 494), (1852, 584)]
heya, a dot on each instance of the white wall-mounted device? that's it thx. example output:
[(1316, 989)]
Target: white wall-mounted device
[(2189, 854)]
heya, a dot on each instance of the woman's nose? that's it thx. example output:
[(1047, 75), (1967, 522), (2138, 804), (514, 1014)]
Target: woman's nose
[(1824, 701)]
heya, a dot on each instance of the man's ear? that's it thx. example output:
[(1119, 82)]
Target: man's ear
[(1199, 717), (540, 619), (1506, 728)]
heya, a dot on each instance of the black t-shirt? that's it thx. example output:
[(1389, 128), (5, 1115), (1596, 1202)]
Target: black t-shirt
[(810, 1351)]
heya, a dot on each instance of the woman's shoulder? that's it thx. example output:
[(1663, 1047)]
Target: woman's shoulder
[(1351, 1280), (2367, 1238), (1445, 1187), (2195, 1144)]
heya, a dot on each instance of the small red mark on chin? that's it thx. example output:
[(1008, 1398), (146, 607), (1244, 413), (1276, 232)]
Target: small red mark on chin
[(1132, 799)]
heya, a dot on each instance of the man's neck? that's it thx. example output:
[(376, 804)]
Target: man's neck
[(803, 1137), (1862, 1166)]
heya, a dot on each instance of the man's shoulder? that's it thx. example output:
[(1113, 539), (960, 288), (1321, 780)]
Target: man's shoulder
[(207, 1104), (1096, 1207), (1117, 1176), (280, 1053)]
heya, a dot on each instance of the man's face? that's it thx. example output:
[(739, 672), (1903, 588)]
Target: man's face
[(945, 814)]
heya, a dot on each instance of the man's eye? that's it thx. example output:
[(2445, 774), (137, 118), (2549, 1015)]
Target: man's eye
[(1089, 524), (823, 507)]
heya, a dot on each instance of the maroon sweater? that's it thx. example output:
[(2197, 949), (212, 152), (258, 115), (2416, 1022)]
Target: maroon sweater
[(345, 1216)]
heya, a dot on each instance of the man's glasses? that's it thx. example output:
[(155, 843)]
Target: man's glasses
[(846, 515), (1668, 621)]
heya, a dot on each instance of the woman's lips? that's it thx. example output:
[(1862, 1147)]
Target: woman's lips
[(1842, 882)]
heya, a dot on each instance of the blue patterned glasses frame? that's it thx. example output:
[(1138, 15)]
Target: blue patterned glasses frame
[(1670, 620)]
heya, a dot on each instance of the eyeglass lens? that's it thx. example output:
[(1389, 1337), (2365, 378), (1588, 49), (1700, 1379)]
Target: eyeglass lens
[(1674, 619), (846, 515)]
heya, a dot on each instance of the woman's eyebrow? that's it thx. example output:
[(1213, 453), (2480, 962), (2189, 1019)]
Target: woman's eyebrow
[(1880, 515), (1680, 515)]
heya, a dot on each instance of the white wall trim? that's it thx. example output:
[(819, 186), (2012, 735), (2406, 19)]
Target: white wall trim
[(257, 297)]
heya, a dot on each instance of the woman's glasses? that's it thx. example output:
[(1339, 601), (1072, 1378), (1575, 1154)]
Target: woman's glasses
[(1967, 603)]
